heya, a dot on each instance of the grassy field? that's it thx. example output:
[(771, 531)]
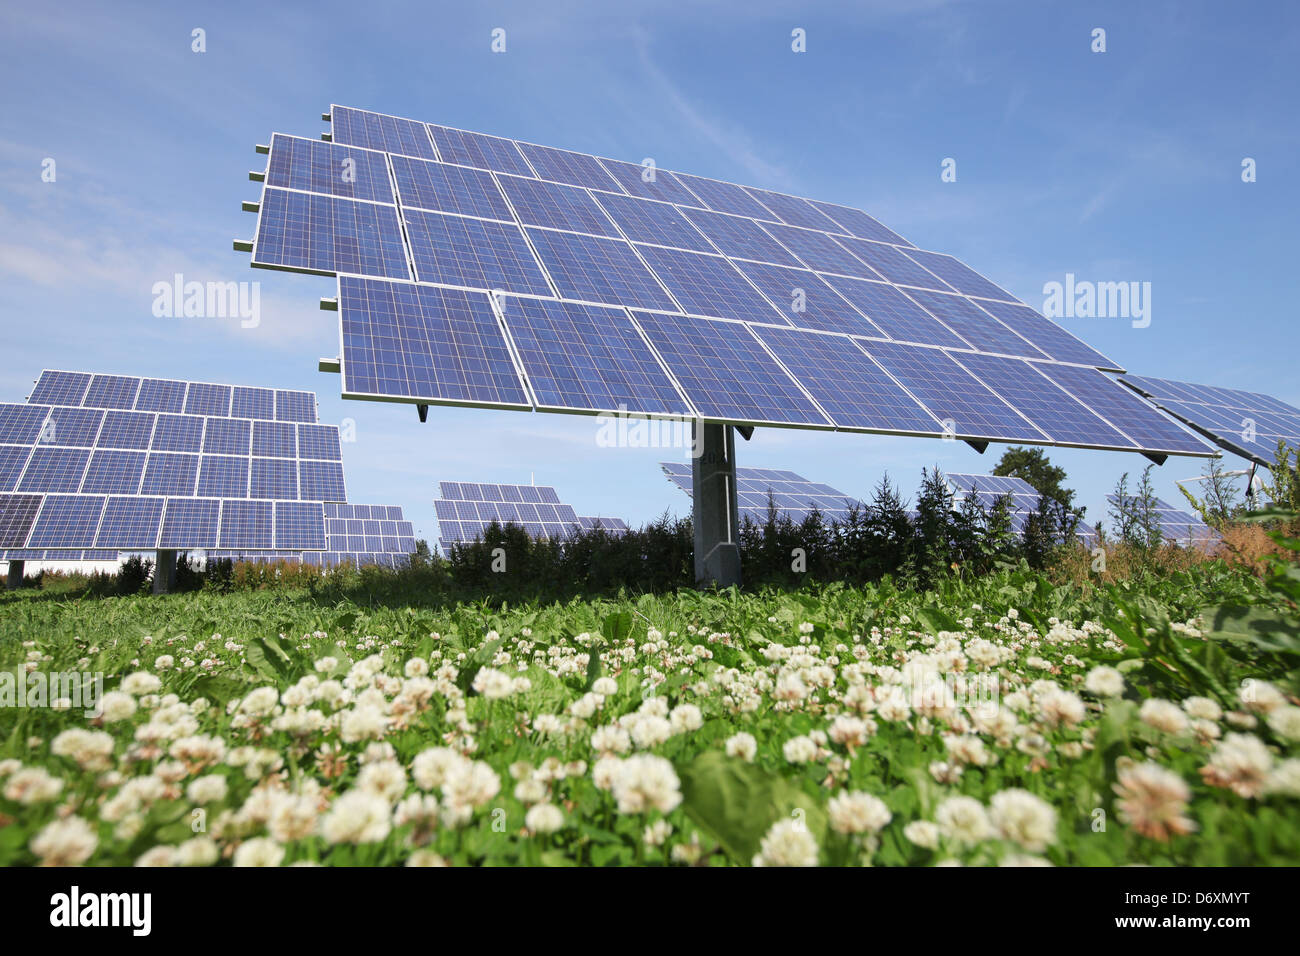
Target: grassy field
[(1004, 721)]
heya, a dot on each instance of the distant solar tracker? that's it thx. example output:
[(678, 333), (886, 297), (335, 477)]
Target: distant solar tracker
[(795, 497), (482, 215), (98, 464), (1179, 526), (1023, 497), (465, 510), (1249, 424)]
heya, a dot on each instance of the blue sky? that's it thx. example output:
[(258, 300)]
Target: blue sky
[(1115, 166)]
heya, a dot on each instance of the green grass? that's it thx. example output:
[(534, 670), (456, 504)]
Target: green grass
[(351, 772)]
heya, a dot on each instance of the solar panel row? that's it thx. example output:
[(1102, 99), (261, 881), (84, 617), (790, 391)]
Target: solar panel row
[(465, 510), (531, 224), (794, 496), (1246, 423)]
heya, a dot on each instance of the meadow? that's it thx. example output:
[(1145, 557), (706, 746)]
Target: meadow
[(1005, 718)]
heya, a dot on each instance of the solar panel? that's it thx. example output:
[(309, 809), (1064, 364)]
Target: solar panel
[(726, 373), (227, 436), (757, 489), (170, 474), (273, 439), (114, 472), (422, 184), (1022, 500), (126, 430), (958, 275), (806, 301), (72, 426), (643, 220), (1178, 526), (897, 315), (648, 182), (563, 166), (66, 521), (1246, 423), (307, 232), (740, 238), (893, 264), (111, 391), (299, 526), (131, 522), (248, 402), (1054, 412), (951, 393), (594, 231), (1122, 409), (222, 476), (161, 395), (178, 433), (272, 478), (794, 211), (310, 165), (391, 134), (55, 469), (17, 513), (479, 150), (60, 388), (708, 285), (321, 481), (592, 269), (204, 398), (477, 253), (21, 424), (1047, 336), (820, 252), (13, 458), (421, 342), (973, 324), (854, 391), (246, 524), (319, 441), (190, 523), (589, 358), (291, 406), (465, 510), (556, 206)]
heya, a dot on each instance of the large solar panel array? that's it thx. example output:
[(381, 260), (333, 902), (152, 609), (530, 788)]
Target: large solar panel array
[(795, 496), (1179, 526), (97, 464), (466, 509), (535, 277), (1023, 498), (1248, 424)]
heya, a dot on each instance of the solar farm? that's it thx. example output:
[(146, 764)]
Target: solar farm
[(797, 663)]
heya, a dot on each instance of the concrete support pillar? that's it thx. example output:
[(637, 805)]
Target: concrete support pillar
[(15, 578), (714, 513), (164, 571)]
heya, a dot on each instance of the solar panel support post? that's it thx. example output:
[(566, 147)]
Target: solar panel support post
[(14, 580), (714, 511), (164, 571)]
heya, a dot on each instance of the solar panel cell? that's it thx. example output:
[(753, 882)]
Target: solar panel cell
[(206, 399), (441, 345), (319, 441), (794, 211), (307, 232), (893, 264), (598, 270), (291, 406), (72, 426), (442, 188), (726, 373), (857, 223), (1046, 335), (588, 357), (474, 253), (12, 460), (227, 436), (973, 324), (336, 170)]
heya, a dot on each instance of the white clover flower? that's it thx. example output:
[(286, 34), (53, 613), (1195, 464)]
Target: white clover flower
[(1163, 715), (157, 856), (431, 767), (611, 738), (116, 706), (1103, 681), (425, 858), (493, 684), (209, 789), (259, 851), (1260, 696), (164, 662), (800, 749), (741, 745), (1284, 779), (32, 785), (849, 731), (384, 777), (686, 717), (358, 816), (657, 833), (923, 833), (963, 820), (197, 851), (141, 682), (1023, 818), (605, 686), (260, 702), (649, 731), (1285, 722), (787, 843), (1240, 763), (645, 782), (544, 818), (68, 841), (1203, 708), (857, 812)]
